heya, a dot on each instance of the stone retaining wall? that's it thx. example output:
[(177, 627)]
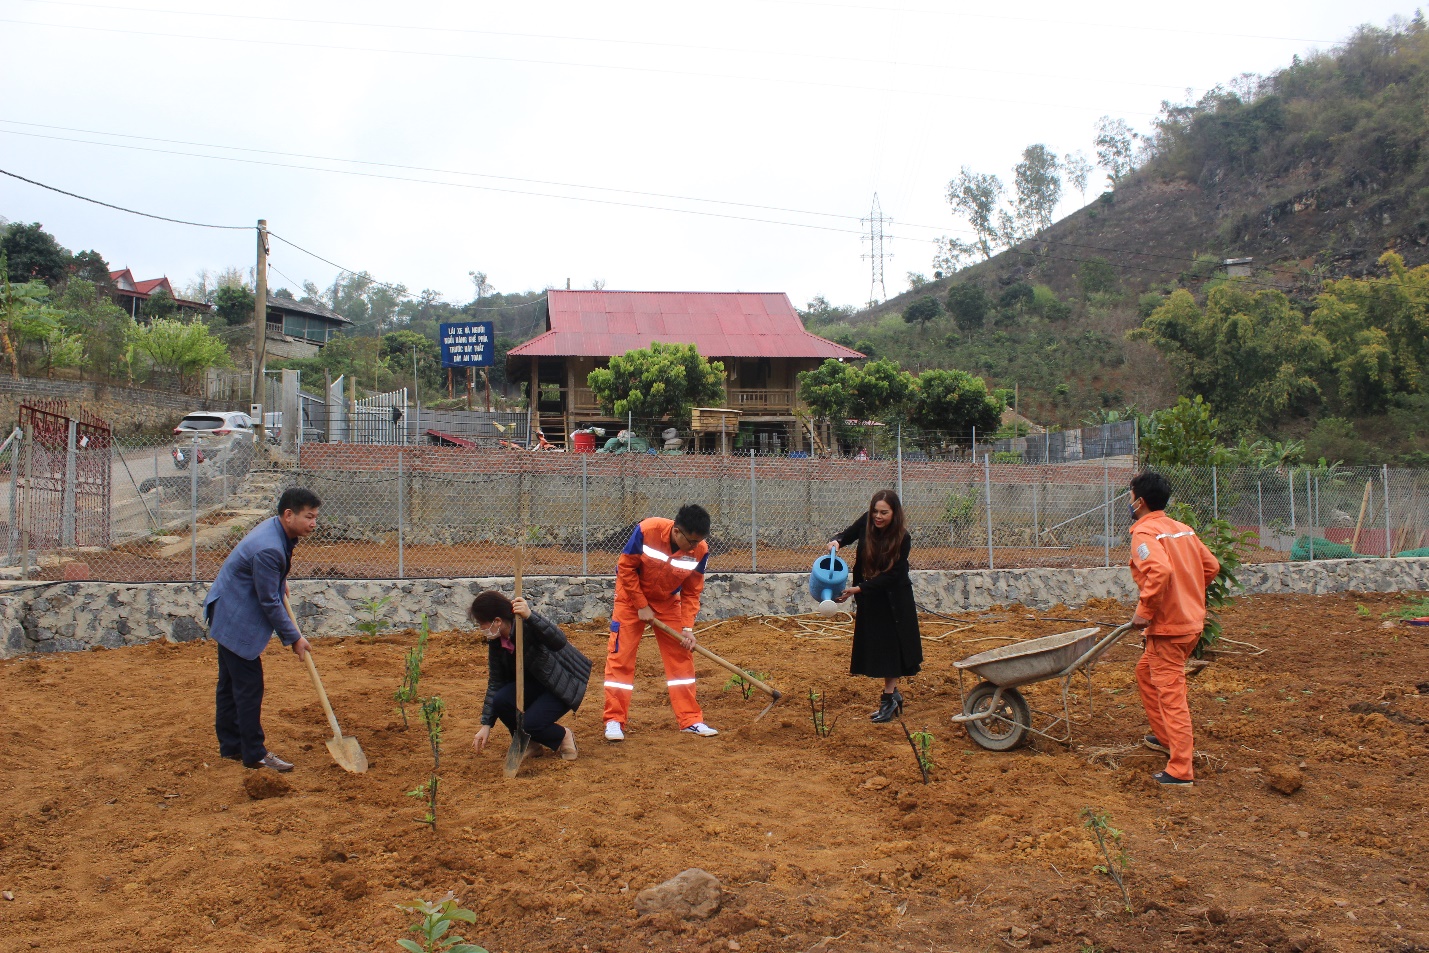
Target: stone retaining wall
[(74, 616)]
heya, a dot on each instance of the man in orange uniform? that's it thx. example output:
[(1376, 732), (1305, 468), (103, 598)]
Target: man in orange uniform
[(1172, 568), (660, 575)]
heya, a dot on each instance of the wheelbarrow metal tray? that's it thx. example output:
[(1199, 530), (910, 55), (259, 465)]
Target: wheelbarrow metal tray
[(1032, 661)]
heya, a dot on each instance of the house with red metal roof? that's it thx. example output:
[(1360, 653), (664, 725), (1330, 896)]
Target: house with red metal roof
[(131, 295), (758, 336)]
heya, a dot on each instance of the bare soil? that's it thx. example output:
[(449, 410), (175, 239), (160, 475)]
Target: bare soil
[(122, 830)]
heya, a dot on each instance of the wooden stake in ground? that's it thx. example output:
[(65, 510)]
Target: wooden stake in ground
[(1364, 503), (520, 741)]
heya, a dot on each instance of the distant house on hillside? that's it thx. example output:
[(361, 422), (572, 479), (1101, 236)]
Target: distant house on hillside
[(298, 329), (131, 295), (758, 337)]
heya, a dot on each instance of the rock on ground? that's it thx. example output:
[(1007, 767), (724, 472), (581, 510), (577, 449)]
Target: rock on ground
[(1284, 778), (692, 893), (265, 784)]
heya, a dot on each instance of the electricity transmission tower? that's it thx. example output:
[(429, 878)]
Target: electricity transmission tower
[(875, 222)]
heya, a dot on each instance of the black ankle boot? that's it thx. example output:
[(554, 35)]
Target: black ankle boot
[(890, 705), (896, 695)]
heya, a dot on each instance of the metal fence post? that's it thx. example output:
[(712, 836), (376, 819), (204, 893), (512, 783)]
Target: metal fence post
[(68, 503), (1215, 496), (14, 541), (193, 512), (987, 495), (1106, 500), (1036, 526), (26, 510), (585, 566), (401, 519), (900, 461), (1259, 514), (1292, 503), (753, 517), (1388, 543), (1310, 507)]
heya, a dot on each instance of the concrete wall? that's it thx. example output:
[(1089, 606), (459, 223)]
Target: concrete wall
[(126, 408), (75, 616)]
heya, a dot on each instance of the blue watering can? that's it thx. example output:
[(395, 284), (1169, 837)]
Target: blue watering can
[(827, 579)]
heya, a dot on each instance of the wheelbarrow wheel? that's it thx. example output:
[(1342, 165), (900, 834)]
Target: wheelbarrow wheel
[(1010, 721)]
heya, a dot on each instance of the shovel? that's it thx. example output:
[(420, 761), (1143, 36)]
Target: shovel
[(520, 741), (774, 693), (344, 749)]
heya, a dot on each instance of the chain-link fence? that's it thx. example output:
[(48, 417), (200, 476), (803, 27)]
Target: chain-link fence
[(177, 505)]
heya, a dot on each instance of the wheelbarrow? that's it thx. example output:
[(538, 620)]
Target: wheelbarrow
[(997, 715)]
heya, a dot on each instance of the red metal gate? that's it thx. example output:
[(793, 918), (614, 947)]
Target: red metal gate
[(69, 488)]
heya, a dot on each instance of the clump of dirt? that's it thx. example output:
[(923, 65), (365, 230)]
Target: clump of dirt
[(828, 843), (265, 784), (1285, 778)]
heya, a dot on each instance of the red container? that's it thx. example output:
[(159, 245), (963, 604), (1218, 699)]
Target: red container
[(583, 442)]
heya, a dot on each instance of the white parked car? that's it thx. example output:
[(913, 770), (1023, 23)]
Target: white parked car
[(224, 437)]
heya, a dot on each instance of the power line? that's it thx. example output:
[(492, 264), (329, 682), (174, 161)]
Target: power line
[(120, 208), (619, 67), (621, 41)]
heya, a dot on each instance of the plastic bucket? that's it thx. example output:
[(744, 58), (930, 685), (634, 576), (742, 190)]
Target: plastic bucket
[(583, 442)]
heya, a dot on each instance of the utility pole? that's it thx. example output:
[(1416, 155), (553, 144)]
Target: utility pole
[(260, 327), (875, 222)]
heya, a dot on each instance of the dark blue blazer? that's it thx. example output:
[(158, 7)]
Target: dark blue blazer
[(245, 604)]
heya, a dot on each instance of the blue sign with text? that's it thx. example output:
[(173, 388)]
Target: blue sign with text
[(468, 344)]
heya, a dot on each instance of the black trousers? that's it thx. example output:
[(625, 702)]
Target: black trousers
[(543, 710), (238, 707)]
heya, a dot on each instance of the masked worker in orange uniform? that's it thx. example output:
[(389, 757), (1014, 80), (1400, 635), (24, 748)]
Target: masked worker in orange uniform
[(1172, 569), (660, 576)]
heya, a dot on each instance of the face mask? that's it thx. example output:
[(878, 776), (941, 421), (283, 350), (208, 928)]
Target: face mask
[(1131, 508)]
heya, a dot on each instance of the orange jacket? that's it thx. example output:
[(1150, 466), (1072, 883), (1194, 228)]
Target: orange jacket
[(1172, 568), (651, 572)]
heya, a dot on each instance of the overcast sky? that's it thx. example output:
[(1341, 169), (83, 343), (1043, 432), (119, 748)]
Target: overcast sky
[(426, 140)]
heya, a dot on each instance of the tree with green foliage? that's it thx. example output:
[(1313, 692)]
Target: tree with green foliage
[(969, 305), (160, 304), (1037, 180), (922, 311), (182, 348), (880, 390), (821, 312), (1250, 354), (1378, 332), (102, 325), (975, 196), (1097, 276), (234, 304), (17, 301), (1117, 148), (356, 357), (954, 402), (826, 388), (90, 266), (1184, 435), (32, 253), (658, 382)]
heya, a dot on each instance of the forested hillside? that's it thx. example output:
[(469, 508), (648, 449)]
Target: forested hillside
[(1313, 172)]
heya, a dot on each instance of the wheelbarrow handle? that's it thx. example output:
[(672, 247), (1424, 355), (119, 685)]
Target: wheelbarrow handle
[(1098, 650)]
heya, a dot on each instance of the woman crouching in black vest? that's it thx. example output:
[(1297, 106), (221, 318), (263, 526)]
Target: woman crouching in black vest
[(556, 673)]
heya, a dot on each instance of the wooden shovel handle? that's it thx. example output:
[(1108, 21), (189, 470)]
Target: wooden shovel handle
[(520, 633), (719, 661), (317, 682)]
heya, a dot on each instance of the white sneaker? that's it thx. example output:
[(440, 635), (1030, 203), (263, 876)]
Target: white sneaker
[(701, 729), (613, 732)]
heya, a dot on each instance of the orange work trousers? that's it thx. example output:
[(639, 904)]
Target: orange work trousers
[(1161, 676), (626, 629)]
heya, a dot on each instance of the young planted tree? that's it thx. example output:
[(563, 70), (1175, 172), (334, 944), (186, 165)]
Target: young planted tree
[(412, 675), (659, 382), (376, 622), (1109, 841), (433, 929), (432, 710)]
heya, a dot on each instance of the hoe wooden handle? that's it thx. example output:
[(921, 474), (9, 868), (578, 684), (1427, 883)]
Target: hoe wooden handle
[(772, 692)]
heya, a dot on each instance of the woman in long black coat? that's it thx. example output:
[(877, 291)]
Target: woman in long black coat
[(556, 674), (886, 641)]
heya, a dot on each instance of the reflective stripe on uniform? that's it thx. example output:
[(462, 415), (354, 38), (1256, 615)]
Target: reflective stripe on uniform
[(687, 564), (1189, 532), (654, 553), (628, 688), (678, 681)]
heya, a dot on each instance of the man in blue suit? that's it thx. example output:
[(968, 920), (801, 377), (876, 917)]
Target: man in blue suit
[(244, 609)]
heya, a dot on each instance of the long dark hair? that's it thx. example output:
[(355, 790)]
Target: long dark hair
[(884, 544)]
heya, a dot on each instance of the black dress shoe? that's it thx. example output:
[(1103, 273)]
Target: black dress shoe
[(271, 760), (889, 706), (882, 700)]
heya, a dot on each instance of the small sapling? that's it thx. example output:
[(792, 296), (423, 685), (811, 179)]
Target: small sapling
[(433, 928), (432, 710), (1113, 851), (921, 750), (745, 686), (413, 675), (823, 728), (375, 623)]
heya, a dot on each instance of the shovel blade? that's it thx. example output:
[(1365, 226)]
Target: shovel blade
[(520, 746), (348, 754)]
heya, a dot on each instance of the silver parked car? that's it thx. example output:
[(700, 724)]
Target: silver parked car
[(224, 438)]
